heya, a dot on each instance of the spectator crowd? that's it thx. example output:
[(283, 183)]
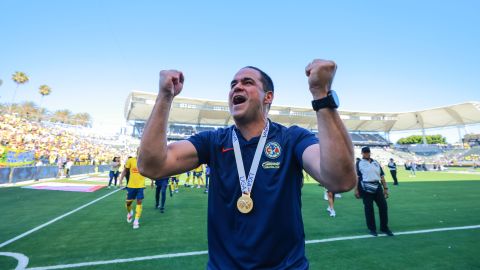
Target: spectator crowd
[(51, 144)]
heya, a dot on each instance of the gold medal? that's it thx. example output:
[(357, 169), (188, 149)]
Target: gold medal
[(245, 204)]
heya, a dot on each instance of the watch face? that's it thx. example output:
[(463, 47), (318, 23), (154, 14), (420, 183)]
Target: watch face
[(335, 97)]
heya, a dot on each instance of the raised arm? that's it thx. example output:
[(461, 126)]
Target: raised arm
[(157, 159), (331, 161)]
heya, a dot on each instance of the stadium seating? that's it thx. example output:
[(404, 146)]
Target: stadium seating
[(383, 155), (381, 149), (368, 139), (176, 131), (51, 141), (200, 129), (181, 130)]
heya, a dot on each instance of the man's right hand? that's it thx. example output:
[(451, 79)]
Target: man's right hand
[(171, 83), (320, 75)]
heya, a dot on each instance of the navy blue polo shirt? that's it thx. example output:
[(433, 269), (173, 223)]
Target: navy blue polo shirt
[(271, 236)]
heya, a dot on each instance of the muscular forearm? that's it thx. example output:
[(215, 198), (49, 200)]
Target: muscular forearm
[(153, 147), (336, 152), (335, 169)]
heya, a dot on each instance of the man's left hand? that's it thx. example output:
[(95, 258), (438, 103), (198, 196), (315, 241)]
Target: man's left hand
[(385, 192), (320, 75)]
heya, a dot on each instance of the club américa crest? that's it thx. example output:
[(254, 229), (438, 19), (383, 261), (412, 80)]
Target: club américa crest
[(273, 150)]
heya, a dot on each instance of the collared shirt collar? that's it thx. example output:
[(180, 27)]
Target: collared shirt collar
[(271, 132), (367, 159)]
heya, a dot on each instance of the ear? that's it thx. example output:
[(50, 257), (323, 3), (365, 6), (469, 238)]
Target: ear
[(268, 99)]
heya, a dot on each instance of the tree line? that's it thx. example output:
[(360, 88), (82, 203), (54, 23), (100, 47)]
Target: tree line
[(418, 139), (32, 111)]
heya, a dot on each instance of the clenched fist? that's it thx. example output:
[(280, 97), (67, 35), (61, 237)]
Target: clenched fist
[(171, 82), (320, 75)]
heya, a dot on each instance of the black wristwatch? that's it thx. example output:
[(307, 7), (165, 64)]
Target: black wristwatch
[(330, 101)]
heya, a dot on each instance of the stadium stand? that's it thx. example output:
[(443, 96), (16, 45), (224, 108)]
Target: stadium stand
[(200, 129), (471, 154), (181, 130), (366, 128), (472, 139), (368, 139), (50, 141), (383, 155), (194, 111)]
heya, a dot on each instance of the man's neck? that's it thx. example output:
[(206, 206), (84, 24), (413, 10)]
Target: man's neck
[(251, 129)]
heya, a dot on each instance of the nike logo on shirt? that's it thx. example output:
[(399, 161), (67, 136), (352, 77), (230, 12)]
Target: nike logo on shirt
[(226, 149)]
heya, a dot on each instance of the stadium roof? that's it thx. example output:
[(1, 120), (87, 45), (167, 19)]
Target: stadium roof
[(202, 112)]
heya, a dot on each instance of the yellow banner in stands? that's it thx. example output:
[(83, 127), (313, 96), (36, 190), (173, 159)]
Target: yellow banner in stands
[(15, 158)]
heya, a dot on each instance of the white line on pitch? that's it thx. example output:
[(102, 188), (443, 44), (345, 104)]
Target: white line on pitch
[(203, 252), (22, 259), (398, 233), (161, 256), (55, 219)]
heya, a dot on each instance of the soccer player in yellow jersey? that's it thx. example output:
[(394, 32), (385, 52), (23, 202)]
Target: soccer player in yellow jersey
[(135, 188), (174, 183), (197, 174), (171, 186), (189, 177)]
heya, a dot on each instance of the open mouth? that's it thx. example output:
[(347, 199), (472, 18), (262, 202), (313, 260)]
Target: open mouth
[(239, 99)]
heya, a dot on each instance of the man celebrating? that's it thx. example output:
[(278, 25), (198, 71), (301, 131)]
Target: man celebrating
[(255, 219)]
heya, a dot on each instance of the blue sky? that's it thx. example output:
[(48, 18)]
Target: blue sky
[(395, 56)]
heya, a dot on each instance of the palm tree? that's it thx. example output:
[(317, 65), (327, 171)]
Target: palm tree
[(14, 108), (42, 113), (19, 78), (3, 108), (62, 116), (29, 109), (44, 90), (82, 119)]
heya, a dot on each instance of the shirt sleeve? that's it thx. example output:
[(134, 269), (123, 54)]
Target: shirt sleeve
[(359, 173), (128, 165), (201, 142), (304, 139), (381, 170)]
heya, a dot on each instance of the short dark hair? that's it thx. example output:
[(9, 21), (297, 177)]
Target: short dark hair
[(266, 80)]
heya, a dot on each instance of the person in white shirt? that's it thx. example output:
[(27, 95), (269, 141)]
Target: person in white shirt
[(413, 168), (392, 166), (68, 166), (371, 188)]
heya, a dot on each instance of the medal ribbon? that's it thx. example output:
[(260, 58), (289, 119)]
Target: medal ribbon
[(246, 184)]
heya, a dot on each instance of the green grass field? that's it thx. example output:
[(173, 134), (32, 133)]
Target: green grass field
[(99, 232)]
